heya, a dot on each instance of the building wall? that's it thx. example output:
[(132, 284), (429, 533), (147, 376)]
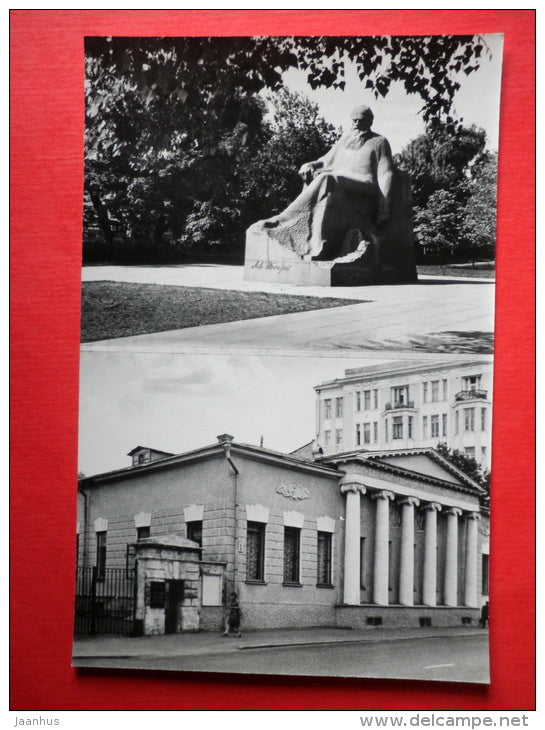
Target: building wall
[(368, 401)]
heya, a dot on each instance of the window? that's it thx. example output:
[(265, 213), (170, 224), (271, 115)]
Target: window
[(400, 395), (424, 392), (434, 427), (397, 427), (101, 555), (445, 422), (483, 419), (194, 531), (292, 539), (142, 533), (366, 433), (470, 451), (469, 419), (338, 436), (358, 434), (366, 400), (324, 559), (375, 432), (386, 431), (483, 453), (445, 389), (338, 407), (484, 574), (362, 563), (471, 382), (255, 551), (358, 401), (327, 438), (410, 427), (425, 427), (375, 399), (456, 421), (434, 391), (327, 408)]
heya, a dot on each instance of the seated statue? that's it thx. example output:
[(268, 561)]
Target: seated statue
[(344, 212)]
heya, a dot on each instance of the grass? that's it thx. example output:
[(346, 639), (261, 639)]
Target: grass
[(112, 309), (480, 271)]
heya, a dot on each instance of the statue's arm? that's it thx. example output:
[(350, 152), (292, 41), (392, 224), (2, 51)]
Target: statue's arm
[(308, 169), (385, 175)]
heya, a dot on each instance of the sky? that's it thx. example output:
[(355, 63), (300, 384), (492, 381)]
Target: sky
[(397, 117), (179, 402)]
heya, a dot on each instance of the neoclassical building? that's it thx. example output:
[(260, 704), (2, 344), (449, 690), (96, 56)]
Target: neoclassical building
[(359, 538)]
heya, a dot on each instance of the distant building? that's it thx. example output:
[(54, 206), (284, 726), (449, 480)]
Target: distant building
[(361, 538), (408, 404)]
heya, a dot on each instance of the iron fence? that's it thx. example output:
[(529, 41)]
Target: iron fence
[(105, 604)]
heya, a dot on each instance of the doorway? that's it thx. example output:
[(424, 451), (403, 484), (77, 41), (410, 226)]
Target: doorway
[(174, 598)]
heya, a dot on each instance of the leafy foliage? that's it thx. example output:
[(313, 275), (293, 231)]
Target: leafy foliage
[(468, 466), (179, 151)]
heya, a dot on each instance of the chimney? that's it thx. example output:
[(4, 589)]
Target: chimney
[(225, 438)]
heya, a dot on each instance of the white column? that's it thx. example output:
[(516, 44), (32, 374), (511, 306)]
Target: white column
[(470, 587), (352, 489), (451, 558), (406, 568), (380, 573), (429, 587)]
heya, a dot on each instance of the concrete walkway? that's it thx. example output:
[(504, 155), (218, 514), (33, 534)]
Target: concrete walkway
[(437, 315), (205, 643)]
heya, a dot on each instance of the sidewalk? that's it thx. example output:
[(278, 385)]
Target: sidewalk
[(436, 315), (206, 643)]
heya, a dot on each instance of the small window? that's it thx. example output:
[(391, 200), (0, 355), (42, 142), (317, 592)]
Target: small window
[(255, 551), (425, 427), (410, 427), (375, 431), (366, 433), (424, 392), (358, 434), (457, 421), (386, 430), (194, 531), (324, 559), (469, 419), (471, 382), (338, 407), (338, 436), (142, 533), (434, 427), (375, 399), (470, 451), (101, 555), (483, 419), (445, 389), (397, 427), (367, 400), (327, 438), (362, 563), (358, 401), (434, 391), (445, 423), (400, 396), (292, 539), (483, 453), (327, 408)]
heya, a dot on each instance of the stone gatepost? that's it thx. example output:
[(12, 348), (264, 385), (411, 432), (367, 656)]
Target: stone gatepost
[(168, 596)]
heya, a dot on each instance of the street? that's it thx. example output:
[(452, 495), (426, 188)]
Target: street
[(449, 659)]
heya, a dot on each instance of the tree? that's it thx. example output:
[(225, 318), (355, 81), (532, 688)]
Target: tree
[(469, 466), (479, 213), (171, 123), (437, 225)]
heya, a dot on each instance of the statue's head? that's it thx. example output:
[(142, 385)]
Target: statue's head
[(362, 117)]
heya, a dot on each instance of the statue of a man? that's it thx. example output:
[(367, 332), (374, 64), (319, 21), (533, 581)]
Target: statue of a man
[(347, 190)]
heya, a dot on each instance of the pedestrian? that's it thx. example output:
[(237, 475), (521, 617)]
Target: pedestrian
[(233, 617), (484, 616)]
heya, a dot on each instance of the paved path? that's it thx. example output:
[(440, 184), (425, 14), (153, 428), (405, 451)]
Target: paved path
[(437, 315)]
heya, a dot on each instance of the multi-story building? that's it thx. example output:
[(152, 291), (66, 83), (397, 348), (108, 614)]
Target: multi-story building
[(408, 404)]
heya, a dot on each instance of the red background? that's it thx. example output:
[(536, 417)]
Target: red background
[(46, 209)]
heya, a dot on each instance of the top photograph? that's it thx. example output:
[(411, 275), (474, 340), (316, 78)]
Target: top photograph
[(291, 194)]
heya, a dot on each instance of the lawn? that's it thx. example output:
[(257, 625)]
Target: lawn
[(112, 309), (484, 270)]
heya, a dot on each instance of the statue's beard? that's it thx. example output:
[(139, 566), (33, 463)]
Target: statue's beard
[(355, 139)]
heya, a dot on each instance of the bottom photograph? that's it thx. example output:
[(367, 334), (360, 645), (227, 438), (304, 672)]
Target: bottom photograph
[(315, 516)]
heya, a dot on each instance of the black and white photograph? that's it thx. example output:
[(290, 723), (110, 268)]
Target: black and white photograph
[(287, 338)]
